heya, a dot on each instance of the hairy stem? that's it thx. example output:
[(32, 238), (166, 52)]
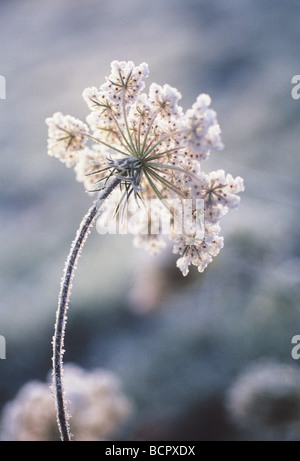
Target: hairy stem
[(61, 317)]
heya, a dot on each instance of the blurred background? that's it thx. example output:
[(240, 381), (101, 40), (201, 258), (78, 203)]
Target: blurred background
[(206, 357)]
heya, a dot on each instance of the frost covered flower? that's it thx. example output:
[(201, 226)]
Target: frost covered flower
[(266, 395), (164, 99), (154, 149), (198, 252), (66, 136), (97, 402), (201, 133), (89, 159), (125, 81)]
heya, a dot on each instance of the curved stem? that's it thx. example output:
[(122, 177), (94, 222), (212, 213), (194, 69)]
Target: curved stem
[(61, 318)]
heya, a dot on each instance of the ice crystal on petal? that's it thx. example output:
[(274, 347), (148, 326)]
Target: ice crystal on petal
[(164, 100), (202, 131), (125, 81), (66, 136)]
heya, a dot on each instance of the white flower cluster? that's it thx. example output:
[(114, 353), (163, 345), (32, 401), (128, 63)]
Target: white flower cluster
[(97, 403), (67, 135), (266, 395), (154, 148)]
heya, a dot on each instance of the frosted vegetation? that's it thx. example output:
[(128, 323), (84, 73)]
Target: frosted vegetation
[(180, 347)]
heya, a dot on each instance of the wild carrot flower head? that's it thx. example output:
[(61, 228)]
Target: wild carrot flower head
[(154, 148)]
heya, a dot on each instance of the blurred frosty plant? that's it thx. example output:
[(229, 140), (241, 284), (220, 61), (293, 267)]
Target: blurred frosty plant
[(98, 403), (265, 399), (143, 148)]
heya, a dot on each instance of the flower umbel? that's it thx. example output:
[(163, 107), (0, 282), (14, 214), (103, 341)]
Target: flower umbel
[(67, 135), (154, 149)]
